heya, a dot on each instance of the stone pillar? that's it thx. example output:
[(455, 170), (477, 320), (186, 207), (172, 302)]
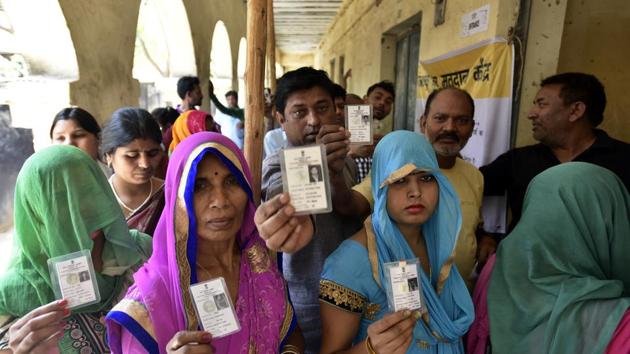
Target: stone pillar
[(103, 33)]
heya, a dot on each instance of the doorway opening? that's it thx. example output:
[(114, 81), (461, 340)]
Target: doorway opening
[(407, 58)]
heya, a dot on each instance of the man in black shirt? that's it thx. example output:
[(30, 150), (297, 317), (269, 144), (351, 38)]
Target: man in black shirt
[(566, 111)]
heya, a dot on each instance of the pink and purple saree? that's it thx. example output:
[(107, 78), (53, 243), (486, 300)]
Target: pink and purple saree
[(159, 305)]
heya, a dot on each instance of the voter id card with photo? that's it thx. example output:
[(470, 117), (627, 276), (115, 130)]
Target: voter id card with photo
[(214, 308), (305, 178), (73, 278), (404, 291), (359, 123)]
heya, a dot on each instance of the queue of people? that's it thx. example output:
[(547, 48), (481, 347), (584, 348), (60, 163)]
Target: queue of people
[(163, 203)]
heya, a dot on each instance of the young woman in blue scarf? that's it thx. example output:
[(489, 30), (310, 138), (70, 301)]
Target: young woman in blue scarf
[(416, 215)]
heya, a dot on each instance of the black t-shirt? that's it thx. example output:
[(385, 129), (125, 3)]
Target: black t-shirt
[(513, 170)]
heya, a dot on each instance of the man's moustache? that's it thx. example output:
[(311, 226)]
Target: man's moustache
[(449, 136)]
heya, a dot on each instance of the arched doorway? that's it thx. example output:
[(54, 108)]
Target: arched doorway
[(221, 61), (241, 64), (37, 64), (163, 53)]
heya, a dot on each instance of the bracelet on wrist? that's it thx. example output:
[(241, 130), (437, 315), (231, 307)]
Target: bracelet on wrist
[(368, 346), (290, 349)]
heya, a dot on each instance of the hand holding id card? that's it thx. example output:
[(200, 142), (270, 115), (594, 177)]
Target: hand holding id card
[(214, 308), (73, 278), (403, 286), (359, 123), (305, 178)]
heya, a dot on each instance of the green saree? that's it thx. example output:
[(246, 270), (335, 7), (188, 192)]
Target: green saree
[(61, 197), (561, 282)]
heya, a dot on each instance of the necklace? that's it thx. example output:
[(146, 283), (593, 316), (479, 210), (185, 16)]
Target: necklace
[(204, 269), (130, 210)]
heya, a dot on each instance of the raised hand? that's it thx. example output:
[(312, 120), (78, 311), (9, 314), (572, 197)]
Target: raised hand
[(337, 143), (281, 230), (393, 333)]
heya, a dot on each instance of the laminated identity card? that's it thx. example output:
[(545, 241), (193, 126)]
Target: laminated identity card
[(214, 308), (359, 123), (73, 278), (403, 285), (305, 178)]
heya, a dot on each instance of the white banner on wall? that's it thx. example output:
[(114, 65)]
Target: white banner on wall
[(485, 70)]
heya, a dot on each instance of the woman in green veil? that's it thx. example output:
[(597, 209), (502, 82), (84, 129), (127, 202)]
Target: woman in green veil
[(561, 282), (63, 204)]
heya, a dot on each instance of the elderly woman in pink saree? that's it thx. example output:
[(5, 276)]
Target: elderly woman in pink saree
[(206, 231)]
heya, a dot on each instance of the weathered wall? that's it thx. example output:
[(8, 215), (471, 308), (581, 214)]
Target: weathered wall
[(544, 39), (584, 36), (356, 34), (358, 29), (590, 36), (360, 34), (435, 41), (292, 61), (596, 40)]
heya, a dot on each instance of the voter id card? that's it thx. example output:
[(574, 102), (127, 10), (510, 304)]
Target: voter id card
[(359, 123), (214, 308), (403, 286), (305, 178), (73, 278)]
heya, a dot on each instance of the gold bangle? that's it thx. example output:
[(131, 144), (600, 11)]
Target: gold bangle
[(290, 349), (368, 346)]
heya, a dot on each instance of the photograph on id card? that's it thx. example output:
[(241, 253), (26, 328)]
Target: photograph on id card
[(359, 123), (73, 278), (305, 178), (403, 287), (214, 308)]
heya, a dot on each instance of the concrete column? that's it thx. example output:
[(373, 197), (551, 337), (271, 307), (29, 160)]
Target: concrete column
[(104, 36)]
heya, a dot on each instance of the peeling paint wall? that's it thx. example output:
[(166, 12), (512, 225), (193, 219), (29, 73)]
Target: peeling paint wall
[(436, 41), (364, 32), (541, 58), (589, 36), (292, 61), (584, 36), (596, 40), (356, 34)]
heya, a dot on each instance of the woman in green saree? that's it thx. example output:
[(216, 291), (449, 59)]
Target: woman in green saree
[(561, 283), (63, 204)]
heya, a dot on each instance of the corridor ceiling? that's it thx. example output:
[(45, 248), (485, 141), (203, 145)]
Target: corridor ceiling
[(300, 24)]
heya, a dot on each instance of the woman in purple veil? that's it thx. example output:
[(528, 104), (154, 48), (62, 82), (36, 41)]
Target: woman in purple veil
[(206, 230)]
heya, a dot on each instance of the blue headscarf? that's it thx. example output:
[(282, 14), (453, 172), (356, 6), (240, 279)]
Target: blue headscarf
[(450, 308)]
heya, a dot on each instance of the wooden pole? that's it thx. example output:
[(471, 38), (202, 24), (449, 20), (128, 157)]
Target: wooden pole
[(254, 82), (271, 47)]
